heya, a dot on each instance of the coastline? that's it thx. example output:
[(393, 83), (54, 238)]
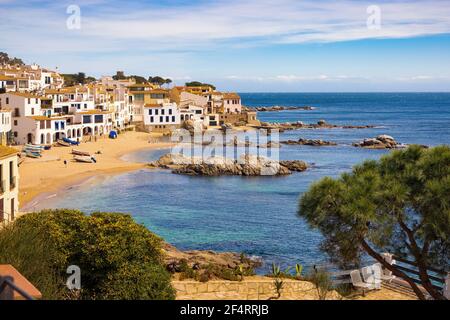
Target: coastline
[(48, 175)]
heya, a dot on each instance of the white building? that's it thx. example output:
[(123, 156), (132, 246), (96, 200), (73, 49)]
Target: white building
[(162, 117), (36, 120), (9, 184), (232, 103), (5, 126)]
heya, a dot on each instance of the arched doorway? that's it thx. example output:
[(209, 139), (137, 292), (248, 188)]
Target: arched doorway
[(30, 138), (87, 131), (42, 138), (49, 138)]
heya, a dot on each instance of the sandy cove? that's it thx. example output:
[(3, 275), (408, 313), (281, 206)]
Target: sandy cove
[(49, 174)]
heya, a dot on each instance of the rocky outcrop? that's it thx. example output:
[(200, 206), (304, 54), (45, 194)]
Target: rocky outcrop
[(279, 108), (199, 259), (248, 165), (309, 142), (321, 124), (294, 165), (380, 142)]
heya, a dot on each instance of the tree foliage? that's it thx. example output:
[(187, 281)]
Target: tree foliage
[(77, 78), (6, 59), (199, 84), (159, 80), (118, 258), (399, 204)]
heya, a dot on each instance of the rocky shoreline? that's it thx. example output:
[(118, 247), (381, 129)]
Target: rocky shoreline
[(278, 108), (309, 142), (322, 124), (198, 259)]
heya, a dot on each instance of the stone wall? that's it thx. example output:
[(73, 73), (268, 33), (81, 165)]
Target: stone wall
[(252, 288), (262, 288)]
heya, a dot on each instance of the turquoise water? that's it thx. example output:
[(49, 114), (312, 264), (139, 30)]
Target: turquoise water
[(257, 215)]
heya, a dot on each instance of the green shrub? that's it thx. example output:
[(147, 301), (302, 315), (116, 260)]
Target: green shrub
[(118, 258), (322, 281)]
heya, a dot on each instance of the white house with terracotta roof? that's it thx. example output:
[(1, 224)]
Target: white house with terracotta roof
[(232, 103), (35, 119), (162, 117)]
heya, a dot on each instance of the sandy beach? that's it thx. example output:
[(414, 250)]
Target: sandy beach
[(49, 174)]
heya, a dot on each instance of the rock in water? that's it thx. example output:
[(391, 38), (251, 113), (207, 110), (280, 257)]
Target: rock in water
[(248, 165), (294, 165), (380, 142), (310, 142)]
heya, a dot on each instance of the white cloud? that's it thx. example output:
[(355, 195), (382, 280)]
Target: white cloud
[(106, 28), (298, 78)]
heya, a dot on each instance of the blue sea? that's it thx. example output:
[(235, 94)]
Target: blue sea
[(258, 215)]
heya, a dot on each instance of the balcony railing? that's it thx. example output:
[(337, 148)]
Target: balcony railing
[(7, 288)]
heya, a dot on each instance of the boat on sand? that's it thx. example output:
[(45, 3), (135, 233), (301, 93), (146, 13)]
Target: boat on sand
[(63, 143), (85, 159), (80, 153)]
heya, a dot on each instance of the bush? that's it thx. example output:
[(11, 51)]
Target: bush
[(118, 258), (322, 281)]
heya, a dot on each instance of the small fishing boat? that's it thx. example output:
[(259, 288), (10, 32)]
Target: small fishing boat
[(63, 143), (85, 159), (72, 142), (26, 149), (34, 146), (32, 154), (80, 153)]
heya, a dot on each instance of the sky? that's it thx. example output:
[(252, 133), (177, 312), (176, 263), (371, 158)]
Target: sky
[(244, 46)]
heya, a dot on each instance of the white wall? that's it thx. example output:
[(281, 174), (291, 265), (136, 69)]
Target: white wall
[(169, 113)]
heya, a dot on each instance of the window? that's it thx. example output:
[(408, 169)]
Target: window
[(13, 209), (15, 134), (98, 118), (29, 100), (7, 100), (161, 119), (11, 175), (32, 111), (163, 111), (170, 111), (167, 119), (173, 118), (62, 125), (15, 122), (151, 119), (56, 125), (150, 112), (156, 112)]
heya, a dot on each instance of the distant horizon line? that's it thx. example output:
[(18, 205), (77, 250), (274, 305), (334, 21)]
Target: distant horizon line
[(352, 92)]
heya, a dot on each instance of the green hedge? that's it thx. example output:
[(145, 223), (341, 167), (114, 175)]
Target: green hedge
[(118, 258)]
